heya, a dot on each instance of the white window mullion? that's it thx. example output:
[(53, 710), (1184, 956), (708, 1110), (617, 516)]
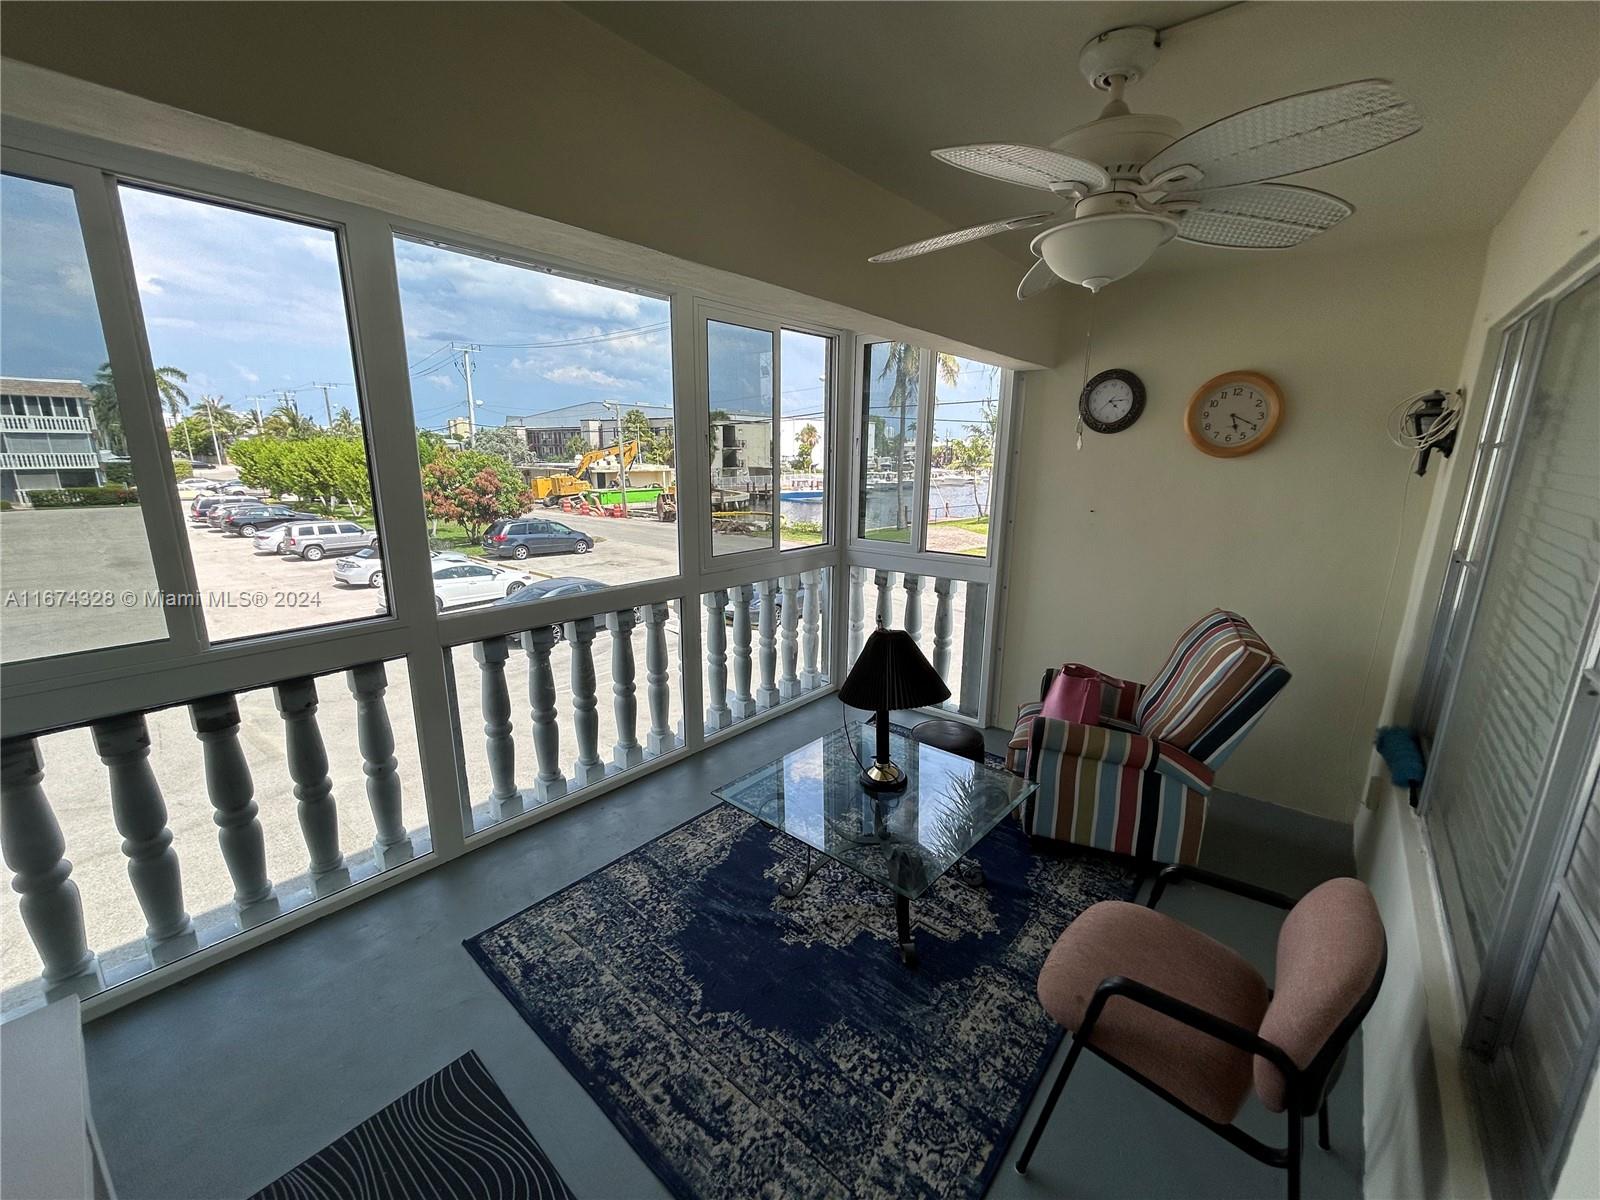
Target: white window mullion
[(379, 338), (116, 293), (691, 423)]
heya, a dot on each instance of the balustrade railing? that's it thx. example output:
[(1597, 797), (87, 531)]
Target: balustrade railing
[(766, 643), (220, 827), (947, 617), (568, 692)]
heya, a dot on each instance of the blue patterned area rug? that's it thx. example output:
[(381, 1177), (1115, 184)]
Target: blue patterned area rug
[(453, 1135), (747, 1045)]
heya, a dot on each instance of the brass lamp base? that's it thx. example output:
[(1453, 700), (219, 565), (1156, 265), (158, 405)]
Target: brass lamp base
[(883, 776)]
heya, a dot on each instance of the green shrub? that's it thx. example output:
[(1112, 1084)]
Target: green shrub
[(119, 473), (83, 497), (5, 506), (180, 470)]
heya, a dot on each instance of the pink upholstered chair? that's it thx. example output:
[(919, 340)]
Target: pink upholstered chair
[(1195, 1023)]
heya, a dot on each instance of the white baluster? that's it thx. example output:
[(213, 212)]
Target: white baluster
[(788, 644), (658, 691), (827, 575), (308, 767), (718, 714), (976, 600), (858, 614), (216, 723), (810, 632), (505, 798), (743, 703), (590, 768), (884, 581), (627, 752), (942, 626), (913, 618), (140, 813), (375, 739), (767, 635), (52, 910), (551, 783)]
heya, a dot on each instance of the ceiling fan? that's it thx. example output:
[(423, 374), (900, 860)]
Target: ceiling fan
[(1135, 184)]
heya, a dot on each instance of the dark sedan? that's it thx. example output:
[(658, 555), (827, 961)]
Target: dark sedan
[(247, 522), (522, 537)]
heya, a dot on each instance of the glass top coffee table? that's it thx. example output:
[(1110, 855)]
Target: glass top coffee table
[(903, 840)]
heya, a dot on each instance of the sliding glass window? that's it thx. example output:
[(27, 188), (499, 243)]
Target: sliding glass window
[(73, 550), (891, 399), (966, 426), (544, 425)]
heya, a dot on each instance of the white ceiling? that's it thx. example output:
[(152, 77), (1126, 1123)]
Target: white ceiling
[(875, 86)]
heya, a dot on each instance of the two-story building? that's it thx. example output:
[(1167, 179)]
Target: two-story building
[(595, 421), (48, 437)]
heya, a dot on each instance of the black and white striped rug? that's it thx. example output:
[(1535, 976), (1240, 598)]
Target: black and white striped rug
[(453, 1135)]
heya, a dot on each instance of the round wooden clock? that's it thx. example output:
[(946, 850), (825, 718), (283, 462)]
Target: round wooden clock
[(1233, 414), (1111, 401)]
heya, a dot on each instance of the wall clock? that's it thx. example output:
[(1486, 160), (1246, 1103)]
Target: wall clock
[(1235, 413), (1111, 401)]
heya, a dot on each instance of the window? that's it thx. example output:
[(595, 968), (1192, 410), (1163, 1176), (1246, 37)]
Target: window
[(739, 386), (966, 423), (247, 326), (891, 391), (536, 389), (73, 548), (803, 438)]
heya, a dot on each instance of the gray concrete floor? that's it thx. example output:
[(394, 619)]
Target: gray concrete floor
[(214, 1087)]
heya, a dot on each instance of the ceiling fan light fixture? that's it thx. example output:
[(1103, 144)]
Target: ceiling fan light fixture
[(1093, 251)]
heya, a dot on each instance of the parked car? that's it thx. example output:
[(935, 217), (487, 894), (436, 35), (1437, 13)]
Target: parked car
[(312, 540), (364, 568), (755, 604), (239, 489), (460, 583), (269, 541), (249, 521), (520, 537), (201, 509), (549, 589), (230, 505)]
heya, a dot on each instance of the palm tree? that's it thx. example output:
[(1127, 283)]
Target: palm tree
[(108, 411), (904, 362)]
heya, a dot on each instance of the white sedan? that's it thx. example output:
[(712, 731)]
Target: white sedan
[(270, 541), (456, 583)]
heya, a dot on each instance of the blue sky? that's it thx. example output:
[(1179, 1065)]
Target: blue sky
[(250, 305)]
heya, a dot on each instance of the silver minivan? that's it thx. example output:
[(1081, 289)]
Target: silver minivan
[(311, 540)]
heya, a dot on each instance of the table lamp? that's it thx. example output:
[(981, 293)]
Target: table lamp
[(890, 673)]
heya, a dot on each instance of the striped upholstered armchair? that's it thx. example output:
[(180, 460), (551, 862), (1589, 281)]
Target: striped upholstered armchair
[(1137, 782)]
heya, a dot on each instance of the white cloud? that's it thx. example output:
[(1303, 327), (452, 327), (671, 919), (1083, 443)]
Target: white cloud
[(441, 380), (246, 374), (586, 377)]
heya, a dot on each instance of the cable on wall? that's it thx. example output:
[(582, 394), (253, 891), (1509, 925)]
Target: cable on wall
[(1426, 422)]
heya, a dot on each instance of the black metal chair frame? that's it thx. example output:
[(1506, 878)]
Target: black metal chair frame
[(1306, 1089)]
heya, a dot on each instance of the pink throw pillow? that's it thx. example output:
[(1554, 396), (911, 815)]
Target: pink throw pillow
[(1074, 697)]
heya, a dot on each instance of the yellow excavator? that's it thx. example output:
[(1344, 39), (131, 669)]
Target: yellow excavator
[(552, 489)]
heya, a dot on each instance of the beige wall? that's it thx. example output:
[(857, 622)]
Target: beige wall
[(539, 109), (1119, 546), (1420, 1132)]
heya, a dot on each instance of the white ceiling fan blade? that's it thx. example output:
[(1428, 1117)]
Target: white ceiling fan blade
[(1039, 277), (1295, 133), (956, 236), (1031, 166), (1259, 216)]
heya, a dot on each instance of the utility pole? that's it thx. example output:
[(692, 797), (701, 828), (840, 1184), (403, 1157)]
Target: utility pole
[(466, 372), (261, 424), (326, 403), (615, 406), (211, 422)]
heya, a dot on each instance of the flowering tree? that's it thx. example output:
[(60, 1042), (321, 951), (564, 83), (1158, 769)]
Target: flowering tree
[(473, 490)]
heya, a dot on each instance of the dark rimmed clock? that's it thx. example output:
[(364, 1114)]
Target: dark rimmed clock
[(1111, 401)]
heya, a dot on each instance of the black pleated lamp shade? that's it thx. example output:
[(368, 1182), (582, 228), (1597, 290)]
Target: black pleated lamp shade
[(892, 673)]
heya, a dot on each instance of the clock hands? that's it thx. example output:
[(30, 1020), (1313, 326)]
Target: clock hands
[(1236, 418)]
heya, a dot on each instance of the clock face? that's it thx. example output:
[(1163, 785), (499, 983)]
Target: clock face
[(1111, 401), (1234, 414)]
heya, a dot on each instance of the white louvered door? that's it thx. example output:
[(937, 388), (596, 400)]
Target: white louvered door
[(1510, 794)]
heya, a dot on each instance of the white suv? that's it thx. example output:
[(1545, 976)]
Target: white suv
[(311, 540)]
